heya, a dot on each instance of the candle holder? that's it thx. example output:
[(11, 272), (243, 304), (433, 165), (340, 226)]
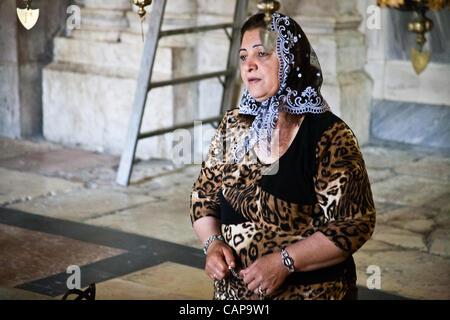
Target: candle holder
[(420, 25), (142, 12), (268, 37), (28, 17)]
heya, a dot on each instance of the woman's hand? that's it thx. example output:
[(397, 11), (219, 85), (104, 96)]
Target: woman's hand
[(265, 274), (219, 257)]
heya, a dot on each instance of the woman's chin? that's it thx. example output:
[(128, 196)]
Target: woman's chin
[(258, 97)]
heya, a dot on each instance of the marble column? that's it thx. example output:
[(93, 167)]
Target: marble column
[(9, 72), (23, 53), (332, 28)]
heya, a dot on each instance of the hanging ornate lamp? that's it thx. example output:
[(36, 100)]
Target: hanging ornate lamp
[(268, 37), (141, 12), (420, 25), (28, 17)]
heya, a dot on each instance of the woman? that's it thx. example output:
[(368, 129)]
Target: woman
[(283, 199)]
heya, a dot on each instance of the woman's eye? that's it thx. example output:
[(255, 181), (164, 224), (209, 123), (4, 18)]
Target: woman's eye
[(262, 54), (243, 58)]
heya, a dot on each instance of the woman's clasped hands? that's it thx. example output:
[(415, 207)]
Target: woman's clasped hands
[(262, 277)]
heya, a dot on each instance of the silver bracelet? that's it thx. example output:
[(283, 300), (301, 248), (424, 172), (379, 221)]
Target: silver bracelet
[(288, 262), (210, 240)]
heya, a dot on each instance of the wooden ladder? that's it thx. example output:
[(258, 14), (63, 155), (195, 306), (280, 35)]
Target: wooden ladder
[(144, 84)]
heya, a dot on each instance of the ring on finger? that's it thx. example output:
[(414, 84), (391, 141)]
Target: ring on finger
[(261, 291)]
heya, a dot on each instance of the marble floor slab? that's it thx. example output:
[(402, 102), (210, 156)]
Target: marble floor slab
[(82, 204), (166, 219), (167, 281), (409, 190), (10, 148), (54, 162), (28, 255), (408, 273), (18, 186)]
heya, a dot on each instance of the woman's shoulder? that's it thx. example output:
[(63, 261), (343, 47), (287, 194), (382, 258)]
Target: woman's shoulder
[(233, 118), (326, 122)]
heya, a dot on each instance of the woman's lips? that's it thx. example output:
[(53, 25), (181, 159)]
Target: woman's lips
[(253, 80)]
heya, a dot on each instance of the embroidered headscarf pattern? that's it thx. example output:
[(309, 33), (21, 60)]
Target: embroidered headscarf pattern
[(300, 79)]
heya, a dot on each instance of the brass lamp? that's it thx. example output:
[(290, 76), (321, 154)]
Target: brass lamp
[(268, 37), (420, 25), (141, 12)]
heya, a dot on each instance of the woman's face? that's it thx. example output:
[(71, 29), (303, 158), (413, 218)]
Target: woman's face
[(259, 69)]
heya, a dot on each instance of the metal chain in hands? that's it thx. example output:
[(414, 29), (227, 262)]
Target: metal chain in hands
[(220, 287)]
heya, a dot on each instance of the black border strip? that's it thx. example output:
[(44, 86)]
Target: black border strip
[(143, 252)]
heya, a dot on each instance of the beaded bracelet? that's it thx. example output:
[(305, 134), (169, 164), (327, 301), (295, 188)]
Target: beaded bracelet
[(210, 240)]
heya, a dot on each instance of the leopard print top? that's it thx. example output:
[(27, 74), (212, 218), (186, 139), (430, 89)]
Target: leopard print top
[(319, 184)]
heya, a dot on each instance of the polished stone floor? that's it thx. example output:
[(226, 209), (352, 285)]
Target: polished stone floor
[(60, 207)]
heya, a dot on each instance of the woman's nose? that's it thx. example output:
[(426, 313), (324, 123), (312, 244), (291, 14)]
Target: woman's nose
[(251, 64)]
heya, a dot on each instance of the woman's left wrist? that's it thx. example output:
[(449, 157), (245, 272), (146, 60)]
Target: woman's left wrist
[(287, 261)]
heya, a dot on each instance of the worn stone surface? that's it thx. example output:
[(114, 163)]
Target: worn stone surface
[(82, 204), (410, 243), (443, 219), (174, 277), (408, 190), (406, 213), (431, 167), (380, 157), (377, 175), (409, 273), (422, 226), (441, 202), (10, 148), (440, 242), (18, 186), (167, 281), (28, 255), (399, 237), (54, 162), (155, 219)]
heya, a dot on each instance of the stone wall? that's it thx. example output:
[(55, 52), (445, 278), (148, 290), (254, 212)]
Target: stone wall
[(23, 54), (87, 89), (388, 53), (408, 108)]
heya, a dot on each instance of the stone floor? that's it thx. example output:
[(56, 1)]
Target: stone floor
[(60, 207)]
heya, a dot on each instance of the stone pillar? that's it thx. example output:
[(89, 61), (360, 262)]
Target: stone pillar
[(9, 71), (23, 53), (332, 28)]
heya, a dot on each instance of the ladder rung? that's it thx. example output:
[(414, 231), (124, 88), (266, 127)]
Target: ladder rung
[(187, 79), (194, 29), (173, 128)]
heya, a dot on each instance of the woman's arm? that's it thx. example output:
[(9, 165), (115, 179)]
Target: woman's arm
[(205, 207), (219, 255), (206, 227), (315, 252), (345, 199)]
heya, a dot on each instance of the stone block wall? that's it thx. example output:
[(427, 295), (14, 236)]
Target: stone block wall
[(23, 54), (89, 77)]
